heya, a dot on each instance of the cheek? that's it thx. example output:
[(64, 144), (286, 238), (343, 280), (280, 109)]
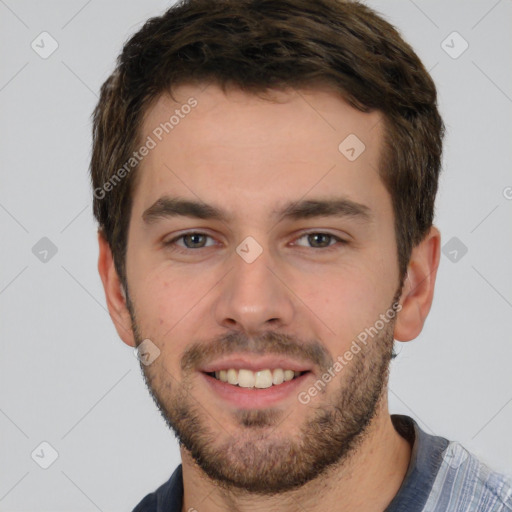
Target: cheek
[(158, 304), (167, 301), (346, 301), (161, 311)]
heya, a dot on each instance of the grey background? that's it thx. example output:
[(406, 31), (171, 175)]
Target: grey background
[(66, 378)]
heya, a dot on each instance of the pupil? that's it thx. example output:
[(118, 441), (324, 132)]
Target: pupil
[(314, 239), (194, 239)]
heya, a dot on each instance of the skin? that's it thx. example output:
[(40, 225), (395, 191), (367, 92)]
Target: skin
[(249, 156)]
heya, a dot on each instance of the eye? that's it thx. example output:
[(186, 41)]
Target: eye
[(197, 240), (190, 241), (320, 240)]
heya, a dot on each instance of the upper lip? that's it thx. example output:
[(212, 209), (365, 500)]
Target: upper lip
[(256, 363)]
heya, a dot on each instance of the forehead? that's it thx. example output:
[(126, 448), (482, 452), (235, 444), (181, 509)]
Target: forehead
[(247, 152)]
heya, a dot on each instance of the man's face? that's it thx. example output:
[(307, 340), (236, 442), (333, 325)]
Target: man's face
[(276, 282)]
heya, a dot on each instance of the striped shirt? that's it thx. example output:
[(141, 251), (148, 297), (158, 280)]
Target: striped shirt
[(442, 477)]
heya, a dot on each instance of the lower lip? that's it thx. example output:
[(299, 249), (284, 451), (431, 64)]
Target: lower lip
[(255, 398)]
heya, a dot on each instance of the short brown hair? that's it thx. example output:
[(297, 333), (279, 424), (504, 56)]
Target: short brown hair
[(257, 45)]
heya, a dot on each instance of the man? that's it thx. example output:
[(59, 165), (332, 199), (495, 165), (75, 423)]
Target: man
[(264, 175)]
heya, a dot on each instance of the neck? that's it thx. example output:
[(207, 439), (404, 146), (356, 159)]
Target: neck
[(366, 480)]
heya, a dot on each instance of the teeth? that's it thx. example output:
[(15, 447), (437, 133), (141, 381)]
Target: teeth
[(278, 376), (246, 379), (263, 379), (260, 379), (288, 375), (232, 376)]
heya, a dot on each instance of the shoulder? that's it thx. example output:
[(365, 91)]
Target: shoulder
[(148, 504), (445, 477), (167, 498), (464, 483)]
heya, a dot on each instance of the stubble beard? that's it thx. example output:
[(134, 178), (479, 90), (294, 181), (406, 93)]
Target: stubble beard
[(261, 458)]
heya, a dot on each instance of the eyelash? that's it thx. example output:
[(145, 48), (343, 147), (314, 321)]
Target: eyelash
[(172, 243)]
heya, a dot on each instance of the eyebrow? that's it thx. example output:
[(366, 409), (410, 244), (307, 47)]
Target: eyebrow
[(168, 207)]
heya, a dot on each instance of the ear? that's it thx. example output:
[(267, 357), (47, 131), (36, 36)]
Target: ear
[(114, 293), (418, 289)]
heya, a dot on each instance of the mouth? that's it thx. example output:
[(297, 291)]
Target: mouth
[(256, 389), (261, 379), (249, 381)]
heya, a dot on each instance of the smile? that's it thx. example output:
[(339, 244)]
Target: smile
[(261, 379)]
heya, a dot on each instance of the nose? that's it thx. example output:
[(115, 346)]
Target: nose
[(254, 297)]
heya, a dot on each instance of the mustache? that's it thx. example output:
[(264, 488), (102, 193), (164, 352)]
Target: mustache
[(200, 353)]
